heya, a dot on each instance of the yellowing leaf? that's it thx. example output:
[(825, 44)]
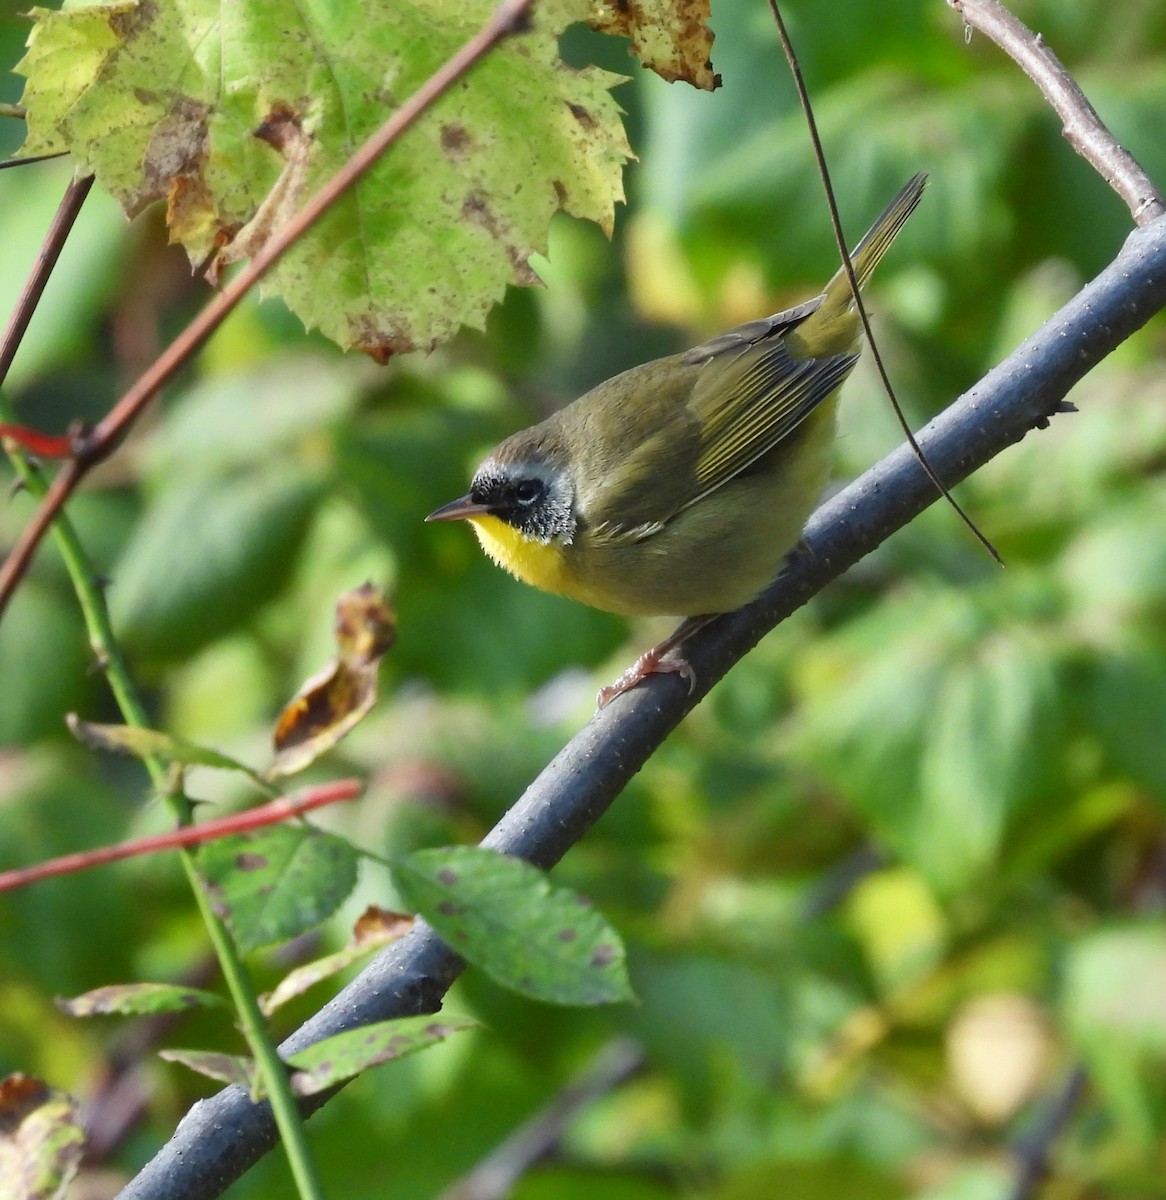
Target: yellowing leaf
[(336, 698), (374, 928), (41, 1139), (150, 743), (178, 102), (226, 1068), (136, 999), (671, 37)]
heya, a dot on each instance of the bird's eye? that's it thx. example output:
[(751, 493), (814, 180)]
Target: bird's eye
[(528, 492)]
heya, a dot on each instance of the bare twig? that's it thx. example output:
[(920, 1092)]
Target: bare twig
[(224, 1135), (495, 1176), (836, 884), (46, 260), (860, 307), (27, 162), (1032, 1151), (91, 448), (1084, 129)]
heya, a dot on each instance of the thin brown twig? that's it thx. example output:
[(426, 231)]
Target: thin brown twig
[(46, 260), (32, 158), (507, 19), (860, 307), (30, 296), (1084, 130)]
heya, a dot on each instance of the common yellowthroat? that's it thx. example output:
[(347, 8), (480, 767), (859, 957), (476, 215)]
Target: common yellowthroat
[(678, 487)]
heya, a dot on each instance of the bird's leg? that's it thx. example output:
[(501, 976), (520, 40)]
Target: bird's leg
[(653, 662)]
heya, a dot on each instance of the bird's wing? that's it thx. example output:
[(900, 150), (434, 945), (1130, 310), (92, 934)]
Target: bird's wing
[(736, 397), (750, 396)]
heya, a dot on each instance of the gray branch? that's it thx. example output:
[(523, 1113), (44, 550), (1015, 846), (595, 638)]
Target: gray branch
[(221, 1137), (1084, 130)]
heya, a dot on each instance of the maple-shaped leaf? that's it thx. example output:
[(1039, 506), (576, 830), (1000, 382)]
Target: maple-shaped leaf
[(235, 114)]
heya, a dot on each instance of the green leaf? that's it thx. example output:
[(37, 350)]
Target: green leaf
[(504, 916), (42, 662), (331, 1061), (992, 714), (152, 743), (348, 1054), (1116, 566), (1114, 982), (934, 725), (226, 1068), (740, 181), (164, 100), (1125, 695), (80, 283), (137, 999), (900, 926), (836, 1178), (276, 883), (208, 554)]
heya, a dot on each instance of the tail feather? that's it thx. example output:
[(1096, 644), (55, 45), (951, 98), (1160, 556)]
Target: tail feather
[(837, 299)]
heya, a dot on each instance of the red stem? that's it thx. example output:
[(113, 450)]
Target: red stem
[(188, 835)]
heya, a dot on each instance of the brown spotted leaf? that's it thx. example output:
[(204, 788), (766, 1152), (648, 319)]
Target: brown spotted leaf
[(504, 916), (347, 1054), (278, 882), (374, 928), (672, 37), (138, 999), (192, 102), (337, 698), (41, 1139)]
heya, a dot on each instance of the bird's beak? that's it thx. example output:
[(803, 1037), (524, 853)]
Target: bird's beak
[(458, 510)]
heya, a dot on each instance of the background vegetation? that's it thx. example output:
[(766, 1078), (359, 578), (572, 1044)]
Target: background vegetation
[(895, 880)]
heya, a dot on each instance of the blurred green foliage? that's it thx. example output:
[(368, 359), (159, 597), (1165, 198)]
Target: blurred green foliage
[(905, 866)]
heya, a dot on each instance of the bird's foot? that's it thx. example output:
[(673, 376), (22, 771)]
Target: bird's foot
[(654, 662), (650, 663)]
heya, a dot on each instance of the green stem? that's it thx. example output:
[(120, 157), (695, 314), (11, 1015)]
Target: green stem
[(272, 1069), (108, 653)]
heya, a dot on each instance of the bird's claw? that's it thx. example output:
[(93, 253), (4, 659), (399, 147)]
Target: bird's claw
[(651, 663)]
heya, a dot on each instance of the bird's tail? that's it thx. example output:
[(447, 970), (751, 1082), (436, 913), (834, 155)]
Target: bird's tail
[(837, 300)]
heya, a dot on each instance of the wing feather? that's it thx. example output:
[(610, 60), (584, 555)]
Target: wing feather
[(751, 405)]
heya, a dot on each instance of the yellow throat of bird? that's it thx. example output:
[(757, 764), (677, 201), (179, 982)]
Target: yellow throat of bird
[(540, 564)]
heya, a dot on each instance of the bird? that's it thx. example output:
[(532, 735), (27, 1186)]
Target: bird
[(679, 487)]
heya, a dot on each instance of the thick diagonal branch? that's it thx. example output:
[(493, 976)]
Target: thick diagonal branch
[(224, 1135)]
